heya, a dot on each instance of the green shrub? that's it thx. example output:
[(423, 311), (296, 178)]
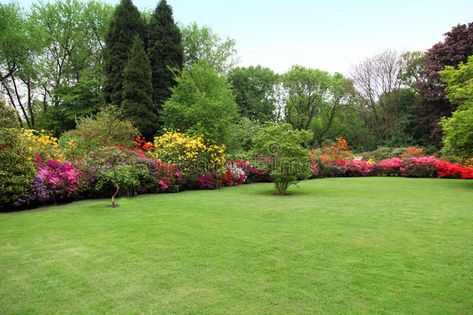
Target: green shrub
[(17, 171), (104, 129), (278, 149)]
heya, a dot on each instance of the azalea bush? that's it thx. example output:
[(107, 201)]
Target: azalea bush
[(59, 179), (423, 166), (392, 167), (42, 144), (193, 154), (446, 169), (234, 174)]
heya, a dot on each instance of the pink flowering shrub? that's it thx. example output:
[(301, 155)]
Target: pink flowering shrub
[(390, 167), (60, 179), (423, 166), (352, 167), (253, 173)]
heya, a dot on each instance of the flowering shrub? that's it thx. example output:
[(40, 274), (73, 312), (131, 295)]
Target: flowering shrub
[(208, 181), (453, 170), (357, 167), (193, 155), (411, 152), (392, 167), (60, 179), (142, 146), (165, 176), (423, 166), (234, 174), (330, 154), (253, 173), (41, 144)]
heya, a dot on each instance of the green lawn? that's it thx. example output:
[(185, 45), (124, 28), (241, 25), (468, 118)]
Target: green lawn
[(348, 245)]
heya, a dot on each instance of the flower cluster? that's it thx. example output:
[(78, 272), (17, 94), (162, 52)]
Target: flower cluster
[(191, 153), (234, 174), (422, 166), (447, 169), (391, 167), (59, 179), (42, 144)]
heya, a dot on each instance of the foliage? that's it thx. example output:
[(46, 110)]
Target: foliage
[(8, 118), (287, 161), (305, 91), (17, 170), (165, 52), (202, 103), (458, 134), (255, 92), (456, 47), (459, 82), (201, 44), (104, 129), (193, 155), (125, 25), (137, 102)]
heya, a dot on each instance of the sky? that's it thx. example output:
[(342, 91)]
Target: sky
[(332, 35)]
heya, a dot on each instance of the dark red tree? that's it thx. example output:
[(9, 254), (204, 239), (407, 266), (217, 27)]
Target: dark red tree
[(456, 47)]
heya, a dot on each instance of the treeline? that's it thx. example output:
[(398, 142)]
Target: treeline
[(63, 60)]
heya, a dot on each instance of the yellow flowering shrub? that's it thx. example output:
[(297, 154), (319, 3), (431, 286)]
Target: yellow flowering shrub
[(191, 153), (42, 144)]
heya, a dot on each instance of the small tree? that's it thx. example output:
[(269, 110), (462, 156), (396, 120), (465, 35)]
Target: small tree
[(278, 148)]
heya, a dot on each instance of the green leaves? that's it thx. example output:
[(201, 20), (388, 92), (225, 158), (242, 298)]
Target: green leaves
[(278, 148)]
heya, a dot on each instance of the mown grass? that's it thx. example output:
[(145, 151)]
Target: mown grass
[(358, 245)]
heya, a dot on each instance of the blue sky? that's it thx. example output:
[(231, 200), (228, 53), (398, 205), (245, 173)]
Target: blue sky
[(332, 35)]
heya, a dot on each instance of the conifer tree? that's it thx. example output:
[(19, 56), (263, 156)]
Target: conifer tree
[(165, 52), (137, 90), (124, 26)]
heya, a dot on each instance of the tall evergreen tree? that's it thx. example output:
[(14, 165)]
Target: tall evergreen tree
[(137, 90), (124, 26), (165, 52)]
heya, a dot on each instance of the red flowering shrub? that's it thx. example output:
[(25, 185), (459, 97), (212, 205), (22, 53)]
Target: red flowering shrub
[(165, 176), (453, 170), (142, 146), (208, 181), (423, 166), (234, 174), (390, 167)]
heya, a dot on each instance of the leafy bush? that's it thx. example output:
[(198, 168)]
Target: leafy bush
[(286, 158), (17, 170), (458, 134), (8, 117), (104, 129)]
